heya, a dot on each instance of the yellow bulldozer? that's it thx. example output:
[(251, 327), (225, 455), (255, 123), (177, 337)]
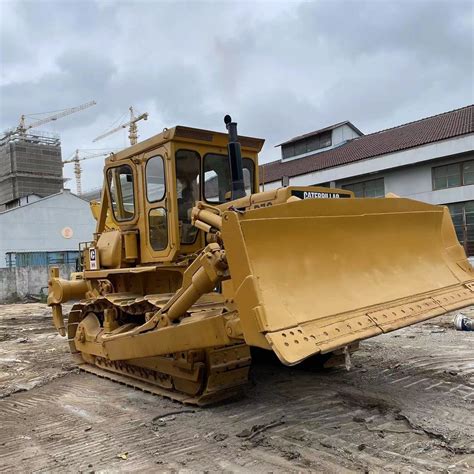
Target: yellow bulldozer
[(191, 266)]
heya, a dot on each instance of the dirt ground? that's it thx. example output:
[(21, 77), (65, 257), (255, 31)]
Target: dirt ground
[(405, 406)]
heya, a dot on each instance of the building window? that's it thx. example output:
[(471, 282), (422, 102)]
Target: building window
[(287, 151), (468, 172), (306, 145), (462, 214), (367, 189), (325, 140), (313, 143), (450, 176), (301, 147)]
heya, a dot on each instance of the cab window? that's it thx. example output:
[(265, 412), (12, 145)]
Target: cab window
[(249, 170), (155, 179), (120, 181), (187, 187), (158, 228), (155, 192), (217, 178)]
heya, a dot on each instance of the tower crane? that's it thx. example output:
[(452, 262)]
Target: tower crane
[(23, 127), (76, 159), (132, 124)]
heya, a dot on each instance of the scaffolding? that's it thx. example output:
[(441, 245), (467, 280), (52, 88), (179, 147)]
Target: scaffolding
[(37, 137), (30, 163)]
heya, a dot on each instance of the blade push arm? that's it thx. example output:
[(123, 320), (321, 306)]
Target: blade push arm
[(202, 276)]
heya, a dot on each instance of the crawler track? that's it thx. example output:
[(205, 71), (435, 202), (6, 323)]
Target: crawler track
[(219, 374), (155, 390)]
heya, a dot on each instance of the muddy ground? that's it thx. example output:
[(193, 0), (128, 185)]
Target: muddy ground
[(406, 406)]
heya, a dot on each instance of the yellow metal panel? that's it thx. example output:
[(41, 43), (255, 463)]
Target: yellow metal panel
[(198, 334), (294, 344)]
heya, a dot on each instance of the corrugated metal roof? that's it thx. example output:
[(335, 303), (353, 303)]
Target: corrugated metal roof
[(41, 200), (421, 132)]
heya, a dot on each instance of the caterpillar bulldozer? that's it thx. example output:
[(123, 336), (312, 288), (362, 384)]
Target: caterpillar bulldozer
[(191, 266)]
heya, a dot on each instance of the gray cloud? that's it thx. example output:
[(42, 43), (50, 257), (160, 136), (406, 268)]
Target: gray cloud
[(280, 68)]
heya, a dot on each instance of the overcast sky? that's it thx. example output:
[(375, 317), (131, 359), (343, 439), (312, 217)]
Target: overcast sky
[(279, 68)]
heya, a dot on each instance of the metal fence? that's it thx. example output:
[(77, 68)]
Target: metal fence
[(41, 259)]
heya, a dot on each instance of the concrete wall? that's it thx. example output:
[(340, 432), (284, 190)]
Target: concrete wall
[(343, 134), (16, 283), (37, 227)]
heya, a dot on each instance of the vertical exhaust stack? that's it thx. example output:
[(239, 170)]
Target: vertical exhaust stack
[(235, 157)]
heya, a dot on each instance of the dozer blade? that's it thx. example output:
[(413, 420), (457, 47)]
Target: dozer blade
[(316, 275)]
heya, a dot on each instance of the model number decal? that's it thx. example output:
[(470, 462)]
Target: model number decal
[(264, 204)]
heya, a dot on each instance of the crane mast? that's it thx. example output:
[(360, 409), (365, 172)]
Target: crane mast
[(76, 159)]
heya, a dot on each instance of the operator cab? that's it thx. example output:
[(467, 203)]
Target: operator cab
[(152, 187)]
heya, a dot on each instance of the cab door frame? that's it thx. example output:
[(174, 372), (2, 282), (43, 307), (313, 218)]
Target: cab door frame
[(168, 254), (124, 224)]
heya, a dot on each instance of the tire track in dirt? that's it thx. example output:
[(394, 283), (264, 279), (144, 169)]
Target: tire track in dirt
[(322, 429), (406, 406)]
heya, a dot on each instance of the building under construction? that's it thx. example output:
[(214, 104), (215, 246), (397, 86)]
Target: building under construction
[(30, 167), (30, 163)]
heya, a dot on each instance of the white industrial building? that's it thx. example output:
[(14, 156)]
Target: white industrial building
[(431, 160), (45, 231)]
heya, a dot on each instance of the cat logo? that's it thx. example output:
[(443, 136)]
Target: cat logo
[(93, 258)]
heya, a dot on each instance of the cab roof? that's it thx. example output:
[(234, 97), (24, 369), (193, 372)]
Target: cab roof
[(189, 135)]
